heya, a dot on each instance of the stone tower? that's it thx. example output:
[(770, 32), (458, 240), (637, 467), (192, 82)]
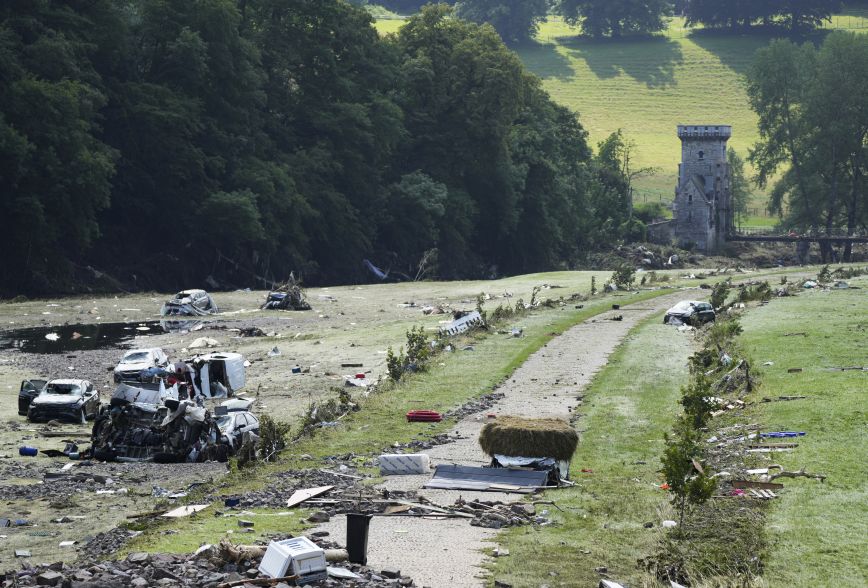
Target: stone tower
[(703, 200)]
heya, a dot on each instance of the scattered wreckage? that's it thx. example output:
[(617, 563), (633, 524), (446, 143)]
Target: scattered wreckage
[(690, 312), (189, 303), (152, 424), (287, 296), (135, 361), (68, 400)]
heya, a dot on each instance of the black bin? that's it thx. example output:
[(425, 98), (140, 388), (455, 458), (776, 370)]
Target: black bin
[(357, 537)]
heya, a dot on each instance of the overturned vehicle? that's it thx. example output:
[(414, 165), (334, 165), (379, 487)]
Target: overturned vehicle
[(189, 303), (151, 424)]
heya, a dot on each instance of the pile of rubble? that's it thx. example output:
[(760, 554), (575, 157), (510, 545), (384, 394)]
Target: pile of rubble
[(286, 296), (475, 405), (496, 515), (209, 567)]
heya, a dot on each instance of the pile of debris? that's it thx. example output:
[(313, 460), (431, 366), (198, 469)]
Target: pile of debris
[(475, 406), (212, 566), (496, 515), (286, 296), (189, 303)]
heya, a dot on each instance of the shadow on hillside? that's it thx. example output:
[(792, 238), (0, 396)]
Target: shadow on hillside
[(649, 60), (544, 60), (736, 49)]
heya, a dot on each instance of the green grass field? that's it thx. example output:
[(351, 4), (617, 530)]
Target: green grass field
[(629, 406), (648, 86), (817, 531)]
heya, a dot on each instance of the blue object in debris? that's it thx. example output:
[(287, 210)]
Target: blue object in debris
[(230, 502), (781, 434)]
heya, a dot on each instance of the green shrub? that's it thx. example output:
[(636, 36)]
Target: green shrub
[(624, 276), (719, 294)]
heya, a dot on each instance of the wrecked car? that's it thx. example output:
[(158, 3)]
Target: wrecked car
[(234, 424), (689, 312), (137, 426), (69, 400), (286, 296), (189, 303), (135, 361), (218, 375), (29, 390)]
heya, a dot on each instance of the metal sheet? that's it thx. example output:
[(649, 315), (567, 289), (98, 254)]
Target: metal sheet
[(455, 477)]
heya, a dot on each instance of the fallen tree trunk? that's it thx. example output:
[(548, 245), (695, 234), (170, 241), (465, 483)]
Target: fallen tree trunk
[(799, 474)]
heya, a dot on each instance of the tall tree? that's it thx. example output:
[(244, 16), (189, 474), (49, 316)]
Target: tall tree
[(515, 20), (55, 174), (739, 186), (814, 122), (600, 18)]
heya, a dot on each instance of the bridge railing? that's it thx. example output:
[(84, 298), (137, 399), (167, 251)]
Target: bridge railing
[(777, 232)]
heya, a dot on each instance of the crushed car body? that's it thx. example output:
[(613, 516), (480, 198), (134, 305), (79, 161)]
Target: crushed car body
[(136, 361), (689, 312), (143, 424), (189, 303), (218, 375), (66, 400)]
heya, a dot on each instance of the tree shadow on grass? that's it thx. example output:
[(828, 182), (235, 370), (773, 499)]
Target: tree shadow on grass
[(544, 60), (736, 50), (650, 60)]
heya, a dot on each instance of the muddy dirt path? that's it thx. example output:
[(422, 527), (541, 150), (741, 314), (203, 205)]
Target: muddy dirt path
[(440, 553)]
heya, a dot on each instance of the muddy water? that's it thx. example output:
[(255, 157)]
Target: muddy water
[(80, 337)]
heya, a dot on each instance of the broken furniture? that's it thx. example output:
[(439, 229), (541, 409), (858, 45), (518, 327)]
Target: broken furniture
[(300, 556)]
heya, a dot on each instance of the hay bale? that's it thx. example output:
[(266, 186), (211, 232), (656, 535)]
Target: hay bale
[(522, 437)]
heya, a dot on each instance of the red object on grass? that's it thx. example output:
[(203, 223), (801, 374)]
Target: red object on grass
[(424, 416), (360, 376)]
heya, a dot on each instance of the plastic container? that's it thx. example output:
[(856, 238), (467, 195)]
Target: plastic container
[(392, 464), (28, 451), (357, 537)]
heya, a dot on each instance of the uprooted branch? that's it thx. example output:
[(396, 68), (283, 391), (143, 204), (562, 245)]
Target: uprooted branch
[(799, 474)]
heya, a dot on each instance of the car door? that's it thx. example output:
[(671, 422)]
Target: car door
[(91, 399)]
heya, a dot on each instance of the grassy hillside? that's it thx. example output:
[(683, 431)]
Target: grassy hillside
[(648, 86)]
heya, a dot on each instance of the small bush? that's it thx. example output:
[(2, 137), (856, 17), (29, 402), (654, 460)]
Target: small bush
[(825, 276), (624, 276), (272, 437), (719, 294)]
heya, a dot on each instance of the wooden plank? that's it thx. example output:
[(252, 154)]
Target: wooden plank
[(185, 511), (433, 508), (752, 484), (300, 496)]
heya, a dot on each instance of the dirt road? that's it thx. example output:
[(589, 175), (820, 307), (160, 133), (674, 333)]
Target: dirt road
[(440, 553)]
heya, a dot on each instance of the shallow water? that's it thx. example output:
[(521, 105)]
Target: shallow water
[(75, 337)]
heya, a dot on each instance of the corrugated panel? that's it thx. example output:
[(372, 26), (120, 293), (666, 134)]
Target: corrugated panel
[(455, 477)]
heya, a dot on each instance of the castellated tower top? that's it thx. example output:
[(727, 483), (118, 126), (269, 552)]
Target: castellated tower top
[(704, 131)]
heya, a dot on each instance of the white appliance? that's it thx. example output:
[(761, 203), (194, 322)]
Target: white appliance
[(298, 556)]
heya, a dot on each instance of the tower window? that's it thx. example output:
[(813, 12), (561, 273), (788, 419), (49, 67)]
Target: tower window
[(701, 154), (690, 198)]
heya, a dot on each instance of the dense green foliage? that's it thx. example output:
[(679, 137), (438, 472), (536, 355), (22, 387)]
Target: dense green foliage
[(794, 14), (600, 18), (813, 123), (515, 20), (168, 142)]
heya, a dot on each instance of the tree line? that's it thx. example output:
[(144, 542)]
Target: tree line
[(813, 127), (518, 20), (168, 142)]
